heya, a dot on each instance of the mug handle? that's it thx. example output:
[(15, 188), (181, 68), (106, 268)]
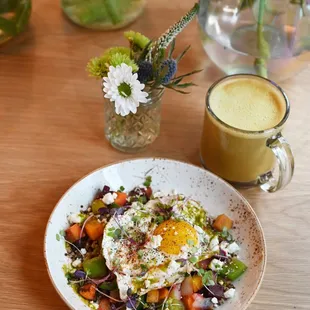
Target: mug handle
[(282, 150)]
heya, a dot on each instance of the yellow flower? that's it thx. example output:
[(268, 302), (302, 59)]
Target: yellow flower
[(137, 39), (98, 67)]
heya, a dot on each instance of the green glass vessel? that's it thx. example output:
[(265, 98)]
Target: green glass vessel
[(14, 18), (103, 14)]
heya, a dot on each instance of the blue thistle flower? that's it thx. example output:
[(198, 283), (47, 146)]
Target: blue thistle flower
[(171, 66), (145, 71)]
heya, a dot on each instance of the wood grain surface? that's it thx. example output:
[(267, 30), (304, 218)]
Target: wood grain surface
[(51, 134)]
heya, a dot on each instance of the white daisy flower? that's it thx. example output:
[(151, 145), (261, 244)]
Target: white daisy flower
[(124, 88)]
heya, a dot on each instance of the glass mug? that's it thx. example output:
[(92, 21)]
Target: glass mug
[(241, 140)]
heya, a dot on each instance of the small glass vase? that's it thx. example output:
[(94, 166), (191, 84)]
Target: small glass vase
[(103, 14), (134, 132)]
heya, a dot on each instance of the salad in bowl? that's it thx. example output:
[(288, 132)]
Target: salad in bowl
[(139, 250), (111, 244)]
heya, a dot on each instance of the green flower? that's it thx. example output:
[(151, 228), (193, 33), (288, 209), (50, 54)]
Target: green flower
[(118, 59), (136, 39), (98, 67)]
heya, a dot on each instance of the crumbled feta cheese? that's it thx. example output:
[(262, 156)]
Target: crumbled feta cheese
[(94, 305), (230, 293), (75, 218), (229, 248), (147, 283), (158, 194), (109, 198), (76, 262), (214, 300), (233, 248), (173, 267), (156, 241), (142, 186), (214, 244), (216, 264), (83, 251)]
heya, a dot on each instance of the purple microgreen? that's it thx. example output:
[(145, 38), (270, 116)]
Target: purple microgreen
[(100, 281), (182, 261), (106, 189), (214, 290), (108, 296), (119, 210), (208, 290), (79, 274), (131, 303), (104, 211)]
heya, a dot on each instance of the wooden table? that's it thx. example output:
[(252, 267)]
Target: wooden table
[(51, 134)]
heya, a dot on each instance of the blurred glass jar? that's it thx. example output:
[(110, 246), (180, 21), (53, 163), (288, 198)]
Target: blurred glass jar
[(103, 14), (134, 132), (14, 17), (230, 37)]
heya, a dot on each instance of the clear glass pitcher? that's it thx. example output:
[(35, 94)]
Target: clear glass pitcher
[(266, 37), (103, 14), (14, 17)]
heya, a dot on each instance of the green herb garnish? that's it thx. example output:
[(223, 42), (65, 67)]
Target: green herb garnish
[(207, 276), (114, 233), (148, 181)]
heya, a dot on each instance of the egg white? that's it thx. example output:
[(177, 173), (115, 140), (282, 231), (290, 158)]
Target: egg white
[(141, 267)]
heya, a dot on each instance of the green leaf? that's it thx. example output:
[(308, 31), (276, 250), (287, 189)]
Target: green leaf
[(171, 49), (62, 233), (140, 254), (8, 26), (121, 189), (57, 237), (177, 90), (187, 74), (144, 267), (182, 54), (185, 85), (193, 259), (148, 181), (144, 52)]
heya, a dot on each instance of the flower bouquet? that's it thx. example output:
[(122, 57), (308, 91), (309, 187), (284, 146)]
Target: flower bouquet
[(134, 80)]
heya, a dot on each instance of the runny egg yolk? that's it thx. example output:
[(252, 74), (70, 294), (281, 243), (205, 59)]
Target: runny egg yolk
[(175, 235)]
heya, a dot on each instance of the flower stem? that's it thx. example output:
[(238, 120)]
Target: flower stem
[(262, 44)]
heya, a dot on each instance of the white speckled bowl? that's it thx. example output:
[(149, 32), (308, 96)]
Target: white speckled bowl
[(216, 195)]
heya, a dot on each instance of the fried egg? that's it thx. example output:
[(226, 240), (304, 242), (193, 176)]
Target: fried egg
[(155, 245)]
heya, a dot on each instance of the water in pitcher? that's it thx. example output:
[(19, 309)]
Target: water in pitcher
[(14, 17), (229, 36)]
